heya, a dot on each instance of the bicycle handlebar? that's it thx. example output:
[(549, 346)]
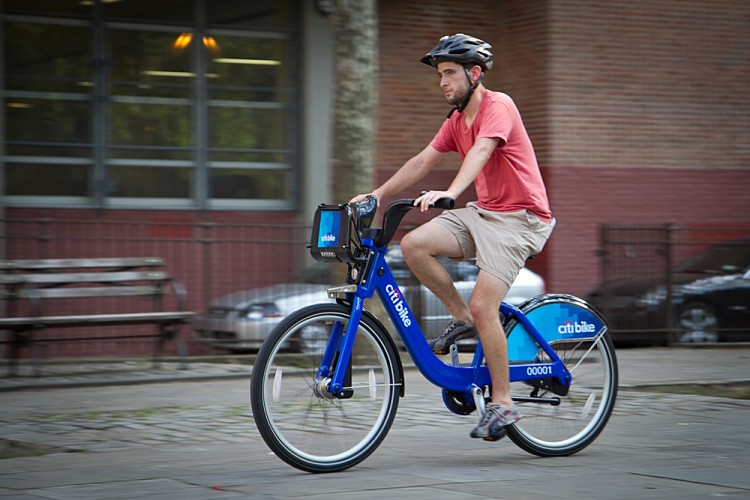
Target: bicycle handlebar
[(444, 203), (396, 212)]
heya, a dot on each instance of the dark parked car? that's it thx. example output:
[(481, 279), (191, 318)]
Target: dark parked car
[(710, 300)]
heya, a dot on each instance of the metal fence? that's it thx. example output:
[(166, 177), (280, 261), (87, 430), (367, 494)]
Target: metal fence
[(214, 259), (210, 259), (649, 293)]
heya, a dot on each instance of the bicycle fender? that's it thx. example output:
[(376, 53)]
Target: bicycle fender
[(557, 317)]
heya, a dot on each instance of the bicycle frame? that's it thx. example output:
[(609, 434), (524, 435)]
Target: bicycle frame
[(464, 379)]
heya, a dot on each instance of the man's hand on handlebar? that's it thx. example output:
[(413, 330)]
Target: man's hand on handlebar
[(428, 199), (363, 197)]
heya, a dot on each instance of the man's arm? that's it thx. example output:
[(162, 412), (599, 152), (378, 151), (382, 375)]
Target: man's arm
[(410, 172), (474, 162)]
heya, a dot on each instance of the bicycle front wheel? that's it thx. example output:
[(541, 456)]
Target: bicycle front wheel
[(308, 430), (570, 426)]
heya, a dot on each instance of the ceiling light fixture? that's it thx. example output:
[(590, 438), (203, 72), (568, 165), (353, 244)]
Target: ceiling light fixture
[(258, 62), (181, 74)]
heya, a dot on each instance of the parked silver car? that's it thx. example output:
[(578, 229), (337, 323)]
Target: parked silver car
[(241, 321)]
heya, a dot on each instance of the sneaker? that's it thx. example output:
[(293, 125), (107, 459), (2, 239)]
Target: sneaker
[(495, 420), (456, 330)]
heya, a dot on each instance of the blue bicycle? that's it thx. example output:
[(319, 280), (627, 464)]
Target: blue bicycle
[(327, 381)]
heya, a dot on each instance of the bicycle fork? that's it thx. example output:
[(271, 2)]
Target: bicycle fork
[(333, 380)]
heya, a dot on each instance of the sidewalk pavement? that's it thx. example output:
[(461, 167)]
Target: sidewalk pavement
[(125, 430)]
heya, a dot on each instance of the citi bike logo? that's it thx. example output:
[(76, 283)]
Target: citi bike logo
[(398, 303), (571, 327), (328, 238)]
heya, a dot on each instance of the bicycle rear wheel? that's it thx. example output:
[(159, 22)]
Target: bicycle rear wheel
[(567, 428), (305, 429)]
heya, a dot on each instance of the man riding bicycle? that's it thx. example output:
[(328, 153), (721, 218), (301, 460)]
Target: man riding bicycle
[(509, 222)]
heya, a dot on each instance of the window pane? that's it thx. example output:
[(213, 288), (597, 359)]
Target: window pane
[(249, 184), (249, 128), (68, 8), (140, 182), (52, 120), (150, 125), (151, 11), (45, 57), (147, 63), (46, 180), (263, 14), (250, 69)]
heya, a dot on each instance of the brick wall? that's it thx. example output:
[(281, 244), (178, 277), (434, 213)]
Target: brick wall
[(644, 84)]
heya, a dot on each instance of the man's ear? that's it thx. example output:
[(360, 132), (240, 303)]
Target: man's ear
[(476, 73)]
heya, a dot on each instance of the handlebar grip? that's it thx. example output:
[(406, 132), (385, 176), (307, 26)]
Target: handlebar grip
[(445, 203)]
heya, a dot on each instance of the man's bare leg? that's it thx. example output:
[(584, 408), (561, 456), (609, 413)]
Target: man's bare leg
[(484, 305), (421, 248)]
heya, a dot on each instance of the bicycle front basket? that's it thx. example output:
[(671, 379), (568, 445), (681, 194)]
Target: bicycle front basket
[(334, 236)]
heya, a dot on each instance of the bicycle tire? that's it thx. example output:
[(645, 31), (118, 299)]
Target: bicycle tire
[(583, 412), (314, 433)]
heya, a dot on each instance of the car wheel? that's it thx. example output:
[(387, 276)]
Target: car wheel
[(697, 323)]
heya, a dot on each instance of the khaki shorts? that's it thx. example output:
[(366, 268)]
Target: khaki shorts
[(500, 241)]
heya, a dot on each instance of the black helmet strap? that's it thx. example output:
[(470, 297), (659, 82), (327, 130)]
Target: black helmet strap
[(460, 107)]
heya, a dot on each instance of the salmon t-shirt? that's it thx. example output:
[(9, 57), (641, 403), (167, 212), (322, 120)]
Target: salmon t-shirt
[(510, 180)]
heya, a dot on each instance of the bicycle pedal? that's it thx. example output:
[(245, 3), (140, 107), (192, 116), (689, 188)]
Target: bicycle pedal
[(441, 352), (495, 437)]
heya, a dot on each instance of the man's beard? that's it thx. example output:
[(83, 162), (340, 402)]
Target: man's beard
[(458, 97)]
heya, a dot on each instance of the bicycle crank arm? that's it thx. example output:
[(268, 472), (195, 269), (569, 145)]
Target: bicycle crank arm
[(549, 401)]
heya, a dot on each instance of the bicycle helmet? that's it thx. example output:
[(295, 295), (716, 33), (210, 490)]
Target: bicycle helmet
[(465, 50), (460, 48)]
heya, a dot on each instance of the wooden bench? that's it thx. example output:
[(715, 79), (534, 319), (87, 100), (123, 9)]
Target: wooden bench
[(29, 287)]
